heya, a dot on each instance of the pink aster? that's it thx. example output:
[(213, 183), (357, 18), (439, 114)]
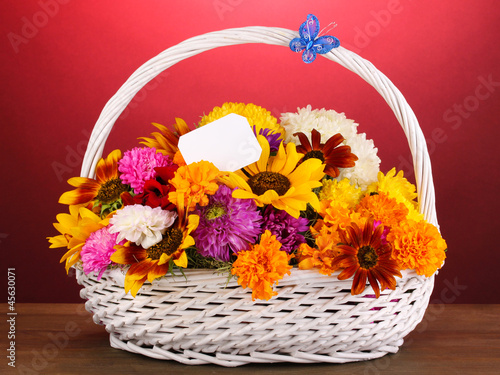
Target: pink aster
[(138, 166), (97, 250)]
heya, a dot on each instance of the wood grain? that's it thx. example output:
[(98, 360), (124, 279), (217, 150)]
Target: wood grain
[(63, 339)]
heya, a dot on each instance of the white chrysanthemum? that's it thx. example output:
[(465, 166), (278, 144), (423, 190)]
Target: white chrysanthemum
[(368, 164), (142, 225), (327, 122)]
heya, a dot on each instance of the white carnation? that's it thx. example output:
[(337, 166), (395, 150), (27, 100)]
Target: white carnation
[(142, 225)]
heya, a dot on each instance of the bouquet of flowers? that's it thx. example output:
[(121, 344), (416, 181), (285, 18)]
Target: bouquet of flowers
[(315, 199)]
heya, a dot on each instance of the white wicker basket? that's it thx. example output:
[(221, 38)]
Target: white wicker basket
[(314, 318)]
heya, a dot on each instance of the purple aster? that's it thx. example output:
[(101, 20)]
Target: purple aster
[(272, 138), (226, 225), (286, 228), (138, 166), (97, 250)]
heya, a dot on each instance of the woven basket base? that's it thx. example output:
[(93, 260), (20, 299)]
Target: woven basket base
[(189, 357), (314, 318)]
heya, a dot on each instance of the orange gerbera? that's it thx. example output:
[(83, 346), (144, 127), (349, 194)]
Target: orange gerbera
[(193, 182), (149, 264), (75, 228), (105, 188), (261, 266), (383, 208), (365, 255), (330, 153), (167, 140), (418, 246)]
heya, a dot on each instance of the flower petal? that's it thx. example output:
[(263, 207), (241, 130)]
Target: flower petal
[(292, 158), (359, 282), (264, 156), (304, 141), (316, 140), (128, 254), (182, 261)]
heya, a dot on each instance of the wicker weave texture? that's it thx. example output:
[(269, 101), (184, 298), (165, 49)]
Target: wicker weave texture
[(201, 320), (314, 318)]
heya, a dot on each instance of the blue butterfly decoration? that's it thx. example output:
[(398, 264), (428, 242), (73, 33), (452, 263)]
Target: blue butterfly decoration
[(309, 42)]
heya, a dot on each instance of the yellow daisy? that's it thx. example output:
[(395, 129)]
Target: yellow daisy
[(342, 192), (277, 180)]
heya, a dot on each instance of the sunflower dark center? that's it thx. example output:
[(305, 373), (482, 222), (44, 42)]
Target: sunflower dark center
[(264, 181), (215, 211), (169, 244), (316, 154), (110, 191), (367, 257)]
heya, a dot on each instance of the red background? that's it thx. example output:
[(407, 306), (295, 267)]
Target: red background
[(62, 60)]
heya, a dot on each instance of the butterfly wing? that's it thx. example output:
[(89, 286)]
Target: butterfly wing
[(325, 44), (309, 30), (297, 44), (309, 55)]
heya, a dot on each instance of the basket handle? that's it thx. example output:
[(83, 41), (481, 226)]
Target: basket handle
[(281, 37)]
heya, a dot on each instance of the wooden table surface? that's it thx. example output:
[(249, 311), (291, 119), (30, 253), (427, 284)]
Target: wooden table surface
[(62, 339)]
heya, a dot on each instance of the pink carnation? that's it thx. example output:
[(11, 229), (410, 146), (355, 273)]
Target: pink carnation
[(138, 166), (97, 250)]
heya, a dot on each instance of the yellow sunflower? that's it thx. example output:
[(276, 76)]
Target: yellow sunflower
[(277, 180), (149, 264), (258, 117), (106, 187), (75, 228), (166, 141)]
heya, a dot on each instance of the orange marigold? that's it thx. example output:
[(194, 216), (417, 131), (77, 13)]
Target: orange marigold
[(418, 245), (323, 256), (192, 184), (383, 208), (335, 214), (179, 159), (261, 266)]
